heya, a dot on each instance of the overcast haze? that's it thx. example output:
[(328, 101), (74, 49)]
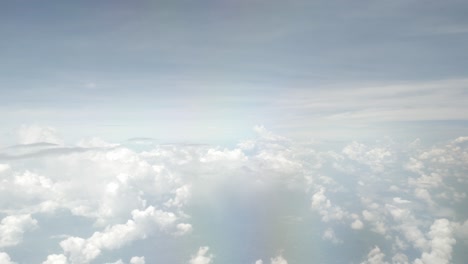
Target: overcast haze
[(244, 131)]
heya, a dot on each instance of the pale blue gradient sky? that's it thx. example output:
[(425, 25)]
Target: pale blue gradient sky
[(211, 70)]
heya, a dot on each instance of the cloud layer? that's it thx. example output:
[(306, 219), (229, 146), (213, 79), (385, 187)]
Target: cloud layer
[(402, 201)]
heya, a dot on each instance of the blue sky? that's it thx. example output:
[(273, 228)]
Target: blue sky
[(217, 68)]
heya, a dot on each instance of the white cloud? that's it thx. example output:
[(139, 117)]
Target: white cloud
[(320, 200), (441, 243), (357, 224), (116, 181), (5, 258), (264, 134), (246, 145), (182, 196), (37, 134), (213, 155), (375, 256), (4, 168), (278, 260), (376, 158), (408, 226), (415, 165), (400, 201), (137, 260), (128, 195), (324, 207), (56, 259), (329, 234), (183, 228), (13, 227), (142, 224), (400, 258), (376, 219), (424, 195), (460, 140), (202, 256), (117, 262), (29, 191), (433, 180)]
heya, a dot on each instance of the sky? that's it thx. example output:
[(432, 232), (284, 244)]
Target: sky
[(222, 131), (211, 70)]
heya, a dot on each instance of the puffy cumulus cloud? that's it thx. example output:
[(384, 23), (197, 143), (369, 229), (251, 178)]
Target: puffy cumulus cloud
[(116, 181), (182, 229), (400, 258), (441, 243), (460, 140), (329, 235), (325, 208), (13, 227), (424, 195), (267, 135), (279, 160), (246, 145), (142, 224), (429, 181), (439, 162), (320, 200), (116, 262), (29, 134), (414, 165), (377, 158), (357, 224), (375, 256), (408, 226), (453, 153), (439, 175), (56, 259), (137, 260), (433, 183), (213, 155), (5, 258), (375, 215), (105, 182), (124, 194), (27, 192), (275, 260), (182, 195), (202, 256), (278, 260)]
